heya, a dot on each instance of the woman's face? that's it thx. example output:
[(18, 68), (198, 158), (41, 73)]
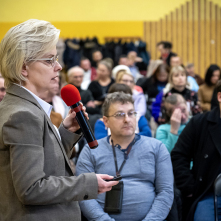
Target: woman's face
[(179, 79), (215, 77), (128, 80), (41, 76), (183, 108), (102, 71), (162, 76)]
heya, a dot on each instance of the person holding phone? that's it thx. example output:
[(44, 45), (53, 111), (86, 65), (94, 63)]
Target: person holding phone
[(143, 163)]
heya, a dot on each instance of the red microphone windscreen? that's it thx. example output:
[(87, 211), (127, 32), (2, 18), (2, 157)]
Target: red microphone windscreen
[(70, 94)]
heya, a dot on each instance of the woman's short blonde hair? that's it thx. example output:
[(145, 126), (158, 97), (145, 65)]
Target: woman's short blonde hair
[(120, 75), (29, 40), (173, 71)]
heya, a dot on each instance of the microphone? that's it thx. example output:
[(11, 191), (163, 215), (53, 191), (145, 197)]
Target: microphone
[(71, 97)]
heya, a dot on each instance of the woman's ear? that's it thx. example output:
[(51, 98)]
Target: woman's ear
[(24, 70)]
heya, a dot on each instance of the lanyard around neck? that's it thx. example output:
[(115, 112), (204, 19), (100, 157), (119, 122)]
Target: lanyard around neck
[(125, 156)]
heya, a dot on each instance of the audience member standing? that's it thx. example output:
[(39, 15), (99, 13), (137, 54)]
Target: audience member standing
[(206, 90)]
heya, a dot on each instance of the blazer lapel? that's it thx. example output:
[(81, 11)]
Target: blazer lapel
[(58, 138), (21, 92)]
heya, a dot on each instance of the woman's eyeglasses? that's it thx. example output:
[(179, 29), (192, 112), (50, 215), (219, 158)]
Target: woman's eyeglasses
[(52, 61)]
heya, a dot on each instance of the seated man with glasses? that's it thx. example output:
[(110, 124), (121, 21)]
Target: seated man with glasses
[(146, 189)]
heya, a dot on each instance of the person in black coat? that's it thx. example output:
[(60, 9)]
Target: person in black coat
[(200, 142)]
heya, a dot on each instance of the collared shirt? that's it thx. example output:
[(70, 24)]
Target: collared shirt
[(147, 178), (45, 106), (136, 138)]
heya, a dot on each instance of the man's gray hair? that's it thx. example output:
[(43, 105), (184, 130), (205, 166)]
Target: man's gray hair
[(115, 97)]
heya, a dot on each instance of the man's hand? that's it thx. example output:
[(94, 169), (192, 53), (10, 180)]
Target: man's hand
[(70, 122), (175, 121), (104, 186)]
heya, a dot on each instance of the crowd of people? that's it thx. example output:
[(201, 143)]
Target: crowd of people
[(157, 127)]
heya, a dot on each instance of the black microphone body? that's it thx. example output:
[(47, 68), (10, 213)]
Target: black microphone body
[(85, 126)]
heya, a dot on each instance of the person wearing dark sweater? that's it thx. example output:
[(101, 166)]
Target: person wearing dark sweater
[(100, 87), (153, 85)]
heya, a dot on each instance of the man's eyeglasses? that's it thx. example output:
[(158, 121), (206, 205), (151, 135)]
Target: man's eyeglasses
[(50, 61), (2, 89), (122, 115)]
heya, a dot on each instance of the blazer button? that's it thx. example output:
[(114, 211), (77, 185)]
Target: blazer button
[(86, 197), (200, 179), (206, 156)]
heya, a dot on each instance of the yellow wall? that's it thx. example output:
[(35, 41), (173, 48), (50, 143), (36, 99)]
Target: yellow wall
[(102, 18)]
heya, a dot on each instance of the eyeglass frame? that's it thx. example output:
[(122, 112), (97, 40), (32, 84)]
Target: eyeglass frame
[(55, 57), (124, 115)]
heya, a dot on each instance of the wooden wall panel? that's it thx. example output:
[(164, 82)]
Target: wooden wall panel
[(195, 32), (208, 36), (185, 34), (213, 33), (218, 34), (190, 32)]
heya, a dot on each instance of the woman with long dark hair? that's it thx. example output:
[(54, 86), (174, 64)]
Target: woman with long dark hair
[(205, 91)]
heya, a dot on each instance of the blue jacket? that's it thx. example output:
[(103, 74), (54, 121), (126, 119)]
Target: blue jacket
[(156, 106)]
